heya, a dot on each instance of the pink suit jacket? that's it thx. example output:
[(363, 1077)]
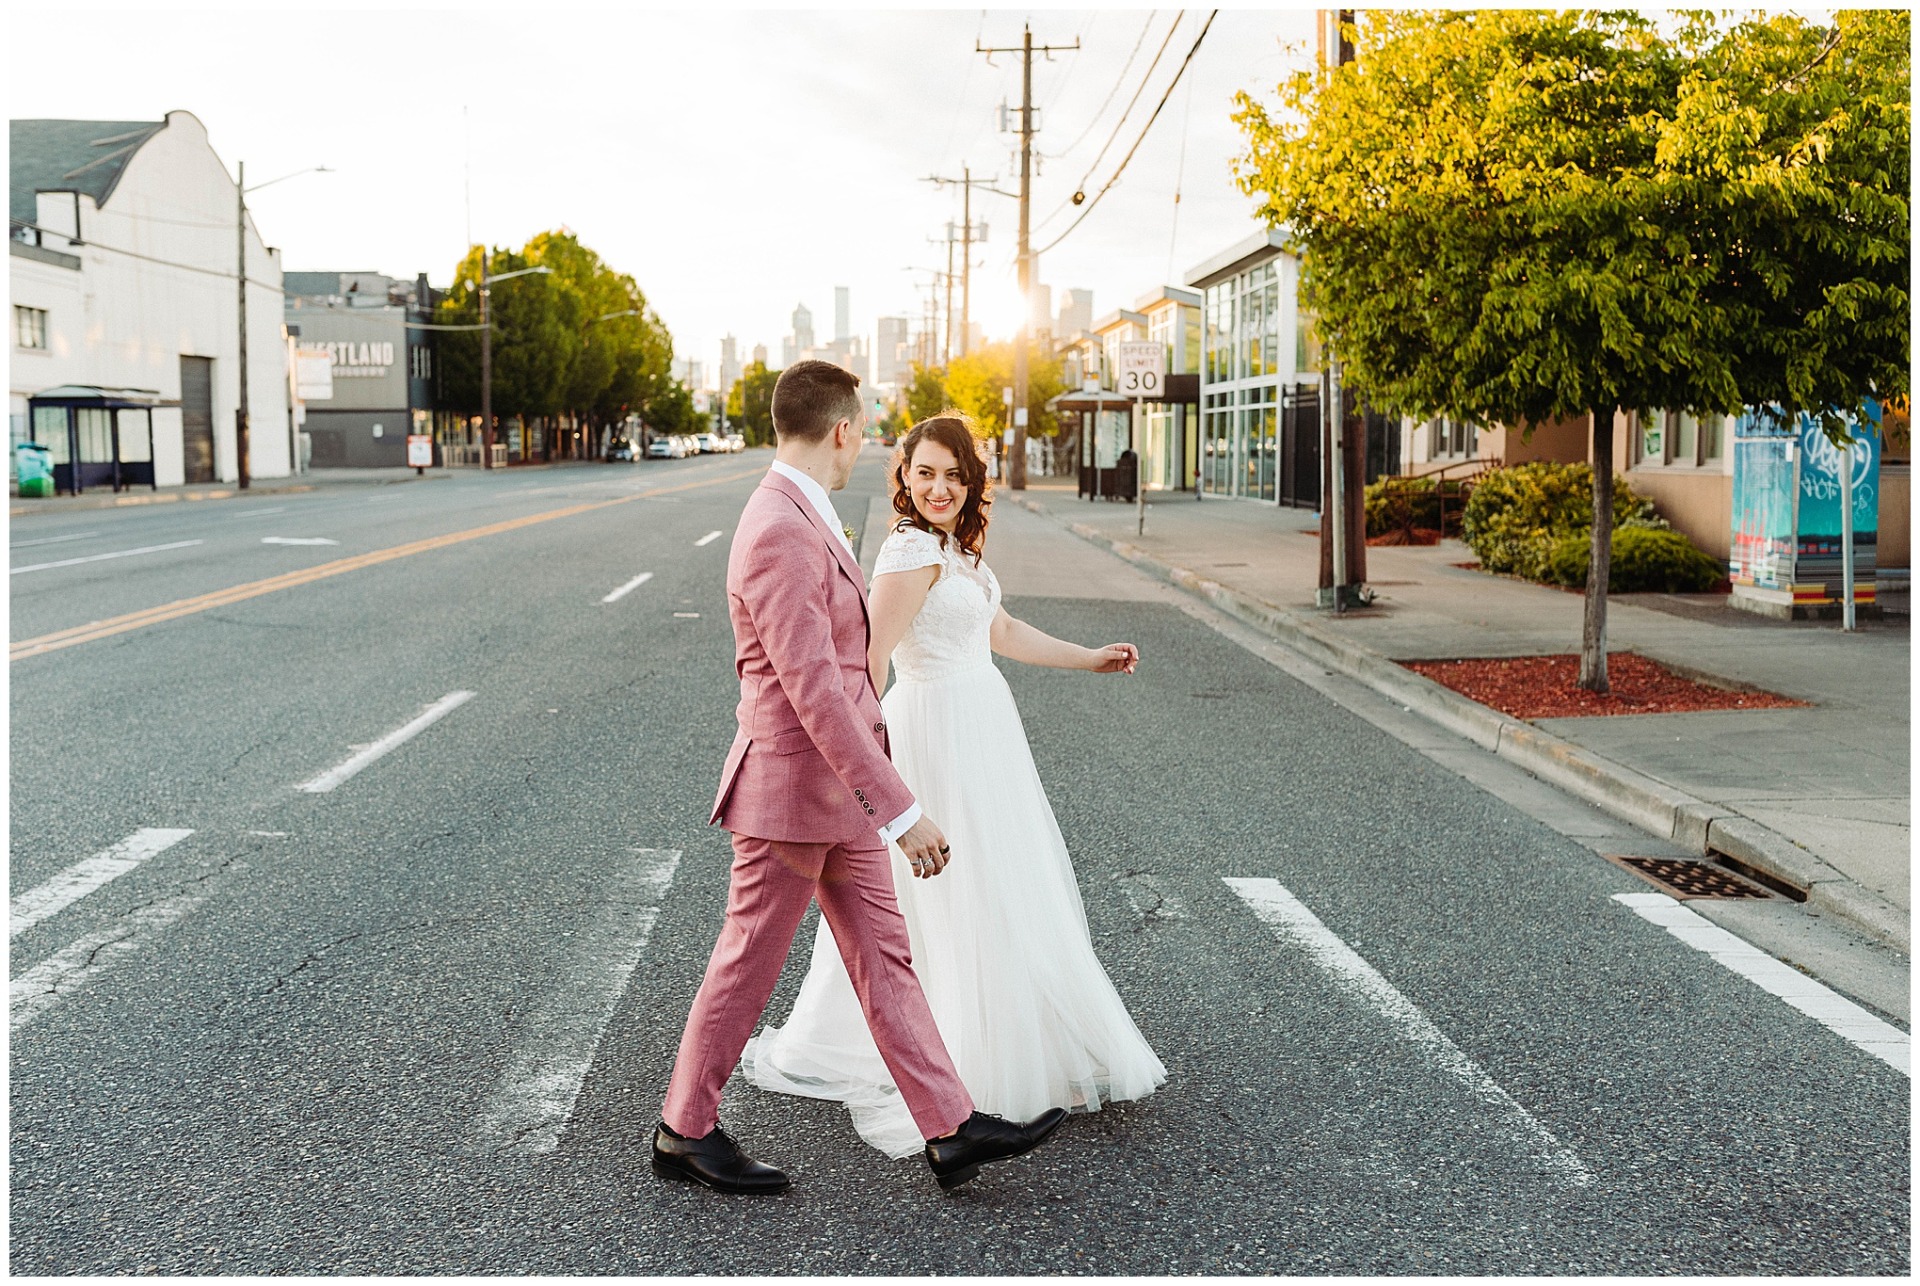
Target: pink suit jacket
[(809, 761)]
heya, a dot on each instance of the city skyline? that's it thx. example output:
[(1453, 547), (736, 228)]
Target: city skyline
[(650, 178)]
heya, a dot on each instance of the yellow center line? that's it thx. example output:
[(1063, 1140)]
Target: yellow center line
[(288, 580)]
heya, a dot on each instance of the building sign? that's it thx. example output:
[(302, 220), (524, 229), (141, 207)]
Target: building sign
[(313, 374), (358, 360)]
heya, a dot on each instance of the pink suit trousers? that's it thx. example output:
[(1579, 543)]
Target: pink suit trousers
[(806, 786)]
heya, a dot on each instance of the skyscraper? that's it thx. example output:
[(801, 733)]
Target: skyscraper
[(893, 352), (729, 362), (1076, 314), (841, 330)]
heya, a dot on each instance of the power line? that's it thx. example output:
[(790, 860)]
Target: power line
[(1138, 141), (1080, 189), (1118, 81), (1144, 81)]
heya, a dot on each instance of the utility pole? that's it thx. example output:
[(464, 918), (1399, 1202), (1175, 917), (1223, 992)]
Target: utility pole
[(242, 423), (947, 359), (968, 235), (1017, 466), (1342, 538)]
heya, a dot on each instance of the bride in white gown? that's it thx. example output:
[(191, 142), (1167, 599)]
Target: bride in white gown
[(999, 937)]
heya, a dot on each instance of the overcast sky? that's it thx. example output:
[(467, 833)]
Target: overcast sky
[(736, 162)]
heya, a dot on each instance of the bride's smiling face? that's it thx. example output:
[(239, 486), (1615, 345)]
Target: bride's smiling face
[(933, 482)]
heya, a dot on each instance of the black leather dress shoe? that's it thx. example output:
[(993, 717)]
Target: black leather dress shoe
[(984, 1138), (715, 1160)]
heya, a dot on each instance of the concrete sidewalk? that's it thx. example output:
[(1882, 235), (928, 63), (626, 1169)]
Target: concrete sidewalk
[(1815, 797)]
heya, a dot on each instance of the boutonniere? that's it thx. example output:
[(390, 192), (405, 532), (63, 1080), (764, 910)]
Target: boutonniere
[(849, 534)]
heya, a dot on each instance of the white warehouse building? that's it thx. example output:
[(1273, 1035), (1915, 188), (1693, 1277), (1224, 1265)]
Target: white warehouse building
[(123, 269)]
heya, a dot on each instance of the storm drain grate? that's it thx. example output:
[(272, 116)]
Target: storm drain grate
[(1687, 879)]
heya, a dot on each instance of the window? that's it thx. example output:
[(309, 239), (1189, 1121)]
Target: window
[(1679, 439), (30, 327), (1449, 438)]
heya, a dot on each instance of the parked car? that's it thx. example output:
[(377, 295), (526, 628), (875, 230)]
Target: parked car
[(661, 449), (707, 443), (621, 449), (689, 445), (735, 442)]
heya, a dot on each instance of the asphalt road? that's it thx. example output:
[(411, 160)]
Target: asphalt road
[(421, 1022)]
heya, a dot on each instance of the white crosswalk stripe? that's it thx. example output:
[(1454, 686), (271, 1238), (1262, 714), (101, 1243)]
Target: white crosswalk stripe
[(530, 1106), (39, 990), (1815, 999), (83, 877), (1293, 923)]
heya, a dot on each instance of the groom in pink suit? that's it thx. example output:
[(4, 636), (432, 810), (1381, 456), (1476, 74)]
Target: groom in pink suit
[(812, 798)]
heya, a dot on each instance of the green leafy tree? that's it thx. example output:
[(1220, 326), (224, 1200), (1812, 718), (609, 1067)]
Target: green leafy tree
[(975, 382), (552, 353), (672, 411), (750, 404), (1515, 216), (926, 393)]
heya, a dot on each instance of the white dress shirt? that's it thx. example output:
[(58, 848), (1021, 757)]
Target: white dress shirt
[(817, 497)]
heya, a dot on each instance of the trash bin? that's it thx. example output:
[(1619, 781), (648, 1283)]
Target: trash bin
[(33, 465), (1126, 476)]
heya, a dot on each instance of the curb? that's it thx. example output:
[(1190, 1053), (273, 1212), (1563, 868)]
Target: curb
[(1648, 803)]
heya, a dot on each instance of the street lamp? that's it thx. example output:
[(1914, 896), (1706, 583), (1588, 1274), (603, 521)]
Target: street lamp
[(243, 423), (486, 356)]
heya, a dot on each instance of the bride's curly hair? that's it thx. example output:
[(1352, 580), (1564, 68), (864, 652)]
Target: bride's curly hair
[(953, 430)]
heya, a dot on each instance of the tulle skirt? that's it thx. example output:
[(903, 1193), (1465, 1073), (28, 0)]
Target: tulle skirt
[(999, 938)]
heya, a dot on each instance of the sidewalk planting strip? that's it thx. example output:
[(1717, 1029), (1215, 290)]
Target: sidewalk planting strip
[(439, 710), (627, 588), (1651, 804), (83, 877), (100, 558), (529, 1108), (1814, 999), (1293, 923), (221, 598), (33, 994)]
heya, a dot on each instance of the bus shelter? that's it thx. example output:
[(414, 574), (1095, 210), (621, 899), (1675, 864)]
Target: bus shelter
[(96, 437)]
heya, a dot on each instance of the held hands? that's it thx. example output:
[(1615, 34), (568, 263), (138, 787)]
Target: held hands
[(925, 847), (1115, 658)]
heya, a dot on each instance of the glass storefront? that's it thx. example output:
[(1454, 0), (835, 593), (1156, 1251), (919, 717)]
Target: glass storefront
[(1242, 370)]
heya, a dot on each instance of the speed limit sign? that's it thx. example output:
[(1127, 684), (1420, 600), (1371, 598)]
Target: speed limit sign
[(1142, 368)]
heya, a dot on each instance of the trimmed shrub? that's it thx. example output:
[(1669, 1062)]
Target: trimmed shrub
[(1517, 517), (1644, 559), (1403, 504)]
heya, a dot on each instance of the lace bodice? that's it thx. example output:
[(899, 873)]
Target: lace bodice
[(953, 630)]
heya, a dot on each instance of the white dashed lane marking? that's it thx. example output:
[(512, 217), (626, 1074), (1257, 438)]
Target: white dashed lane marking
[(529, 1108), (50, 540), (628, 588), (707, 539), (439, 710), (1814, 999), (1294, 924), (83, 877), (96, 558)]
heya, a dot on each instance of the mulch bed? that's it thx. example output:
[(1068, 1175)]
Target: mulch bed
[(1544, 687)]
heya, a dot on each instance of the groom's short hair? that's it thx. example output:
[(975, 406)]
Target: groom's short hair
[(811, 397)]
